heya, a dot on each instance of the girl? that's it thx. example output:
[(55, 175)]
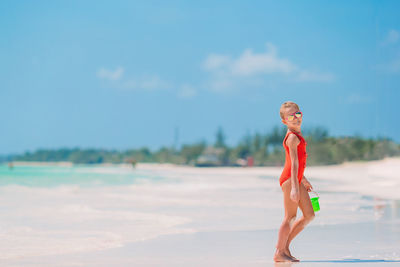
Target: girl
[(294, 185)]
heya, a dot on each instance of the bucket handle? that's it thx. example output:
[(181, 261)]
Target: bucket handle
[(315, 193)]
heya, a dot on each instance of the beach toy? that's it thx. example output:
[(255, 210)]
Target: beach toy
[(314, 202)]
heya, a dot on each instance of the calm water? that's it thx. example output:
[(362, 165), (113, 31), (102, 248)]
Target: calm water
[(82, 175)]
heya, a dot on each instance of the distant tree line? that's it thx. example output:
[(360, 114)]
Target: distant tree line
[(266, 150)]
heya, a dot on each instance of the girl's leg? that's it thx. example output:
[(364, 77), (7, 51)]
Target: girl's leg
[(290, 214), (308, 214)]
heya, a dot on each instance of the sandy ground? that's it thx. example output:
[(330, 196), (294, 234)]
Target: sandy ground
[(203, 216)]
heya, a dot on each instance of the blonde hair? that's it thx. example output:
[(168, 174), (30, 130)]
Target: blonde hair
[(286, 105)]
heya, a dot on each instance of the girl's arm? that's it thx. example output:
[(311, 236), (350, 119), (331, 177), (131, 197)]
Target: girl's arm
[(292, 142)]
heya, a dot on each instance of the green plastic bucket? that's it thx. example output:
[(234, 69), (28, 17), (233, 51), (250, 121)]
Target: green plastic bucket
[(314, 202)]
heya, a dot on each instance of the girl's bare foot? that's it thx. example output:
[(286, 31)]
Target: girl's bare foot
[(287, 252), (280, 256)]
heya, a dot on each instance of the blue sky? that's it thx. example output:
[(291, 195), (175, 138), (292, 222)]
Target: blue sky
[(126, 74)]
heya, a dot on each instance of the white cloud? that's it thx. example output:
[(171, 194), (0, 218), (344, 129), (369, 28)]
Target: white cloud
[(228, 72), (148, 82), (310, 76), (391, 67), (222, 85), (250, 63), (187, 91), (392, 37), (358, 99), (112, 75), (394, 66), (215, 62), (145, 82)]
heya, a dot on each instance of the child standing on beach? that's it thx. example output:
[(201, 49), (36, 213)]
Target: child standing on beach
[(294, 185)]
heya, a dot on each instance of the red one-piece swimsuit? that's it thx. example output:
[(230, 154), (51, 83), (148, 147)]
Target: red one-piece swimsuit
[(301, 155)]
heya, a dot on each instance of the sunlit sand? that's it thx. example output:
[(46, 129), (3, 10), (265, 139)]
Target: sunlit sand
[(167, 215)]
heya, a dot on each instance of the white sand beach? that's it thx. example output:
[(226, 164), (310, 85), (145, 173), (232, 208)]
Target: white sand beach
[(198, 217)]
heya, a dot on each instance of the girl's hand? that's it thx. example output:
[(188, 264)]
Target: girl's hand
[(294, 194), (307, 184)]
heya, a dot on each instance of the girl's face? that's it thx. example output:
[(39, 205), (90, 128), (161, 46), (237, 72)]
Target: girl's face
[(296, 122)]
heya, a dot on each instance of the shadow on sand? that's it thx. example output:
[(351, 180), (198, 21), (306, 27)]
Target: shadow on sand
[(281, 264), (353, 260)]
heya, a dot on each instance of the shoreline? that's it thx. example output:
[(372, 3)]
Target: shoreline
[(106, 164)]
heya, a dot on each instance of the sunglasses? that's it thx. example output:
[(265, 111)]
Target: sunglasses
[(297, 114)]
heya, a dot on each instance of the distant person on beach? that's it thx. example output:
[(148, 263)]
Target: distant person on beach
[(294, 185)]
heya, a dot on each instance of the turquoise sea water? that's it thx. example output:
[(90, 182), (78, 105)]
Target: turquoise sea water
[(82, 175)]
